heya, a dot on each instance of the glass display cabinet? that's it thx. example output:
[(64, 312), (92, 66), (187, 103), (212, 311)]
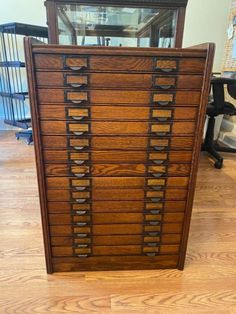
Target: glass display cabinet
[(146, 23)]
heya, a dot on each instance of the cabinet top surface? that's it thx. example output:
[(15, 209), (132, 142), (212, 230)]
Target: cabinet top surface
[(197, 51)]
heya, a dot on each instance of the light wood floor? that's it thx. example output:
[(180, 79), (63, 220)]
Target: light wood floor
[(207, 285)]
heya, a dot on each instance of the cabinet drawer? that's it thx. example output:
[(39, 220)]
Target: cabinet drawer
[(116, 240), (116, 113), (117, 142), (116, 182), (62, 264), (119, 195), (118, 80), (115, 229), (99, 157), (104, 170), (119, 128), (116, 250), (131, 97), (110, 218), (115, 206), (119, 63)]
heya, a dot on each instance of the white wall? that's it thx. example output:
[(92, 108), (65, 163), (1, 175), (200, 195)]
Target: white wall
[(207, 21), (23, 11)]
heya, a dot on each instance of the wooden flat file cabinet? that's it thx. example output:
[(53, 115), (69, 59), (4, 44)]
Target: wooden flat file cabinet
[(117, 135)]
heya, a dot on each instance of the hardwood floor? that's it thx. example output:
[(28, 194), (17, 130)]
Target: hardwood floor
[(207, 285)]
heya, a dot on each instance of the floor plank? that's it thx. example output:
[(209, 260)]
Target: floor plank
[(207, 285)]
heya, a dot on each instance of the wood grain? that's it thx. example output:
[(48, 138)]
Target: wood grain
[(118, 142), (117, 128), (124, 81), (131, 97), (106, 170), (67, 112), (118, 156)]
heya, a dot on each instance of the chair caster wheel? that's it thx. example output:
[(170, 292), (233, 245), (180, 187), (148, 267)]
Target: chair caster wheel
[(219, 164)]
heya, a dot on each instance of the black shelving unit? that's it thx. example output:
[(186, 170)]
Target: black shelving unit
[(13, 82)]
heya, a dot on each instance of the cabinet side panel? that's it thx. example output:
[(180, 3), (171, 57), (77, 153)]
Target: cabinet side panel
[(38, 150)]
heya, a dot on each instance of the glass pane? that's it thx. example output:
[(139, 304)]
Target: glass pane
[(116, 26)]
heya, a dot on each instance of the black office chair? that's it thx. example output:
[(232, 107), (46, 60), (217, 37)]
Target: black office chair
[(215, 107)]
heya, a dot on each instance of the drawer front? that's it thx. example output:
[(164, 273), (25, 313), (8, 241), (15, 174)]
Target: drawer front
[(117, 142), (62, 264), (116, 206), (76, 63), (119, 128), (118, 80), (116, 229), (117, 240), (106, 170), (116, 182), (112, 218), (116, 113), (151, 198), (131, 97), (99, 157), (116, 250)]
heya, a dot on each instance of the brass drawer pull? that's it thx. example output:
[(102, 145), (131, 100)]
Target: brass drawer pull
[(156, 187), (79, 147), (80, 200), (81, 224), (81, 235), (79, 133), (150, 254), (158, 162), (154, 223), (153, 234), (77, 118), (77, 101), (154, 212), (80, 175), (157, 175), (76, 97), (162, 119), (155, 200), (76, 85), (79, 162), (164, 103), (83, 255), (81, 212), (152, 244), (159, 148), (75, 63), (165, 87), (78, 68), (161, 133), (80, 188), (81, 246), (76, 80), (166, 70)]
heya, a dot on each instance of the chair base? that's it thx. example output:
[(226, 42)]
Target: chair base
[(213, 152), (210, 145), (28, 135)]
